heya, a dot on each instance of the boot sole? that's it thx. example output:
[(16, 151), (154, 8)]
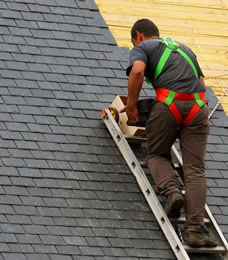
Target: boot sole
[(201, 243), (193, 243)]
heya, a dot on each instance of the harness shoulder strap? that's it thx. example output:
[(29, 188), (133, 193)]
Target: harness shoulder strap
[(188, 60), (165, 55)]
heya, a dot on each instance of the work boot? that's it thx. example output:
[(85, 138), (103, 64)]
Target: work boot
[(174, 204), (195, 239)]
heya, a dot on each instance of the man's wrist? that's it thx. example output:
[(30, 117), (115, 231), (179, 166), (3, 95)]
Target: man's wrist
[(131, 105)]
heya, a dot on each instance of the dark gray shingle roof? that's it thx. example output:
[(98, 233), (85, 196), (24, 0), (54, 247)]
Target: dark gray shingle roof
[(66, 192)]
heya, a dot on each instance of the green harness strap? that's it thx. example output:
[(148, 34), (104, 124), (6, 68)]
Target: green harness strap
[(189, 61), (198, 100), (170, 98), (165, 55), (171, 46)]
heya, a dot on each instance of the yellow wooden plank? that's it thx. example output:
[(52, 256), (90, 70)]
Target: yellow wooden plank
[(210, 5), (220, 90), (213, 66), (215, 75), (216, 83), (171, 24), (209, 58), (219, 39), (212, 74), (151, 8), (150, 11), (178, 30), (215, 59), (207, 40)]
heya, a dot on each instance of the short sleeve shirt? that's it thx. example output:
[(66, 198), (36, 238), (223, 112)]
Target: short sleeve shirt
[(177, 74)]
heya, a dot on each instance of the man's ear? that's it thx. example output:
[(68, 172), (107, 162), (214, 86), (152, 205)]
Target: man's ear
[(140, 36)]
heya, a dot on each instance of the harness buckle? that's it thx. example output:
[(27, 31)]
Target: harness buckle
[(170, 43)]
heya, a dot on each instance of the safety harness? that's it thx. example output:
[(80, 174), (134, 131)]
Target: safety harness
[(167, 96)]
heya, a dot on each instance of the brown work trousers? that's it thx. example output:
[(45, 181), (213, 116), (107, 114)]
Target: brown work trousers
[(162, 131)]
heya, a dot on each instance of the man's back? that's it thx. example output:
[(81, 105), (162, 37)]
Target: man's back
[(177, 74)]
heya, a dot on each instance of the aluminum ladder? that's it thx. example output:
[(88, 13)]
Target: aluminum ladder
[(179, 249)]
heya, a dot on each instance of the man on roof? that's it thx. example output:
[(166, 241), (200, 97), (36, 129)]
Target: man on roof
[(180, 111)]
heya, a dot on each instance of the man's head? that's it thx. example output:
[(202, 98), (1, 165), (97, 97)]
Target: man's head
[(142, 30)]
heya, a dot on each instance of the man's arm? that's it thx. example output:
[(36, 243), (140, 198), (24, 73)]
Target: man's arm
[(202, 81), (135, 83)]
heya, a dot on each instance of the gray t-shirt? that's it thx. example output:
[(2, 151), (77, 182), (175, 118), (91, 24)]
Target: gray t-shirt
[(177, 74)]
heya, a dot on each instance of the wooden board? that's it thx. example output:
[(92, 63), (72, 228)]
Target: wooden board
[(119, 102)]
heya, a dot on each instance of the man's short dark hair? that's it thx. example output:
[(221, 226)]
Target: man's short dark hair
[(145, 26)]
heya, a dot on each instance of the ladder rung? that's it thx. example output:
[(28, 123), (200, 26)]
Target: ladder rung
[(182, 220), (143, 164), (217, 249), (135, 139), (175, 166)]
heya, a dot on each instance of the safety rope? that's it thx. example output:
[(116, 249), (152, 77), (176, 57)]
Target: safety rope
[(217, 104)]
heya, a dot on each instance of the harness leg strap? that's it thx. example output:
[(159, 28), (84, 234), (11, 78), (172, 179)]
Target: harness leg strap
[(195, 109), (175, 113)]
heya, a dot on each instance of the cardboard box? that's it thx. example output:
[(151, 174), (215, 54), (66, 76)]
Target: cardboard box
[(120, 102)]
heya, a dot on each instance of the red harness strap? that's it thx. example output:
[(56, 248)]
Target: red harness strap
[(167, 96)]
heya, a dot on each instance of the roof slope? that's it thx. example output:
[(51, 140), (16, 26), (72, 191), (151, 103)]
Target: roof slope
[(66, 193)]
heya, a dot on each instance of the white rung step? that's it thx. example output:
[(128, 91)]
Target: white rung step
[(135, 139), (211, 250), (181, 220)]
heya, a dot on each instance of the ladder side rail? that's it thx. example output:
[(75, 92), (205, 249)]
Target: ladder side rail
[(146, 188), (206, 250), (177, 159), (216, 228)]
